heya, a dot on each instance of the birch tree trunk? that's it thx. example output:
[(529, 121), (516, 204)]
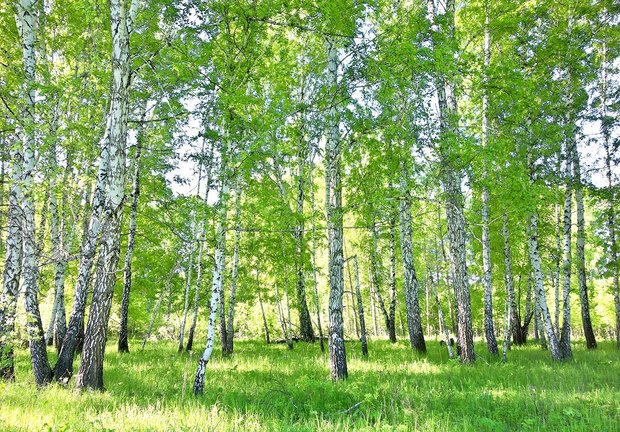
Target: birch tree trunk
[(192, 329), (262, 309), (360, 308), (317, 299), (565, 346), (558, 257), (63, 370), (27, 26), (412, 302), (230, 323), (454, 196), (611, 215), (123, 342), (334, 217), (90, 374), (392, 307), (487, 278), (188, 284), (581, 255), (201, 244), (165, 288), (390, 326), (514, 324), (554, 344), (219, 271), (306, 332), (12, 268), (61, 242)]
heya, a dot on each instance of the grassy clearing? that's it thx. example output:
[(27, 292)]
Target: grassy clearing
[(266, 388)]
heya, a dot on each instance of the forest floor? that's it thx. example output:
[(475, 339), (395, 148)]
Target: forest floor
[(267, 388)]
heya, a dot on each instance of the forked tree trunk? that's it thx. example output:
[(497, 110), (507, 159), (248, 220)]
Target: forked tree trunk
[(554, 344), (90, 373)]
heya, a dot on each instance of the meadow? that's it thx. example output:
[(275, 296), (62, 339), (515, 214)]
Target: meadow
[(268, 388)]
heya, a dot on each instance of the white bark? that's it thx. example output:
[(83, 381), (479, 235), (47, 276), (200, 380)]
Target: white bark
[(218, 279), (334, 217)]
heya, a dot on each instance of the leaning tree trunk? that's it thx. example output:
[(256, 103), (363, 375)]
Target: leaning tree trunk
[(123, 339), (155, 314), (554, 344), (334, 217), (90, 374), (454, 197), (192, 329), (218, 279), (487, 278), (565, 346), (414, 315), (262, 309), (581, 256), (188, 284), (63, 370)]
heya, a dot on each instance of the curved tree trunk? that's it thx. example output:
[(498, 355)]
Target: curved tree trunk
[(360, 308), (192, 329), (218, 279), (554, 344)]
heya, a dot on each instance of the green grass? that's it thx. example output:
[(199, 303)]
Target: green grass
[(267, 388)]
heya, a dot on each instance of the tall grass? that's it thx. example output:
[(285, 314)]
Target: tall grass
[(268, 388)]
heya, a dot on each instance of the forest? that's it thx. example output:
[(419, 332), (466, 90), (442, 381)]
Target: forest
[(309, 215)]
